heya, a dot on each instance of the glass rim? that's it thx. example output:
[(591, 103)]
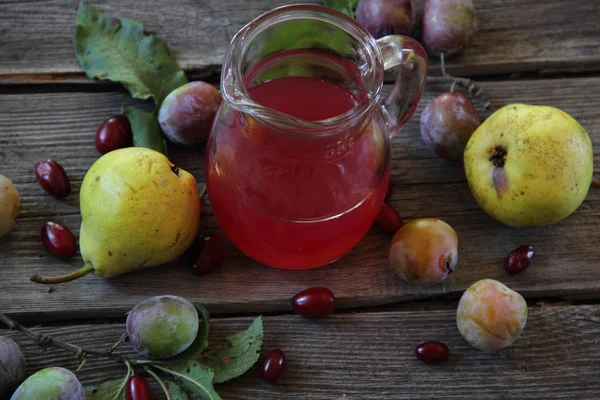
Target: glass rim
[(235, 92)]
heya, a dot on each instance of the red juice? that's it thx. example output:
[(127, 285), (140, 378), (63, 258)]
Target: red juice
[(296, 201)]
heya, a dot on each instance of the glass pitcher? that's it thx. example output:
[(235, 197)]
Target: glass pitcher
[(298, 160)]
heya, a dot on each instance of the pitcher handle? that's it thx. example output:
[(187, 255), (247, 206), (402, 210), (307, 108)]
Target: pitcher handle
[(411, 57)]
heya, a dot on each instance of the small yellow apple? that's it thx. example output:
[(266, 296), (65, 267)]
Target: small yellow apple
[(529, 165)]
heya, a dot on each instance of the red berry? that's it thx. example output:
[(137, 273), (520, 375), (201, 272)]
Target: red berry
[(389, 220), (316, 302), (138, 389), (53, 178), (273, 366), (58, 240), (209, 255), (432, 352), (519, 259), (114, 133)]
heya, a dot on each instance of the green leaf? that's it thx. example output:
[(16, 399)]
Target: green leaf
[(348, 7), (175, 391), (199, 344), (106, 391), (238, 355), (196, 378), (305, 34), (120, 51), (145, 128)]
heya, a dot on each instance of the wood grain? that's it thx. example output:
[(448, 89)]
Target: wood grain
[(371, 356), (514, 35), (61, 126)]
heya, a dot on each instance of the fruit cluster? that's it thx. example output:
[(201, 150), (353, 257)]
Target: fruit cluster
[(169, 335)]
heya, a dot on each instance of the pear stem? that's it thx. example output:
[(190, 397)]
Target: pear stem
[(86, 269), (596, 182)]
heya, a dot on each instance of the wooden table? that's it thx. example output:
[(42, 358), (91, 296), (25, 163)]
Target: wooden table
[(545, 52)]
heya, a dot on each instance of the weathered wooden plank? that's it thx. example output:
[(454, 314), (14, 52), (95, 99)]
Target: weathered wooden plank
[(61, 126), (514, 35), (371, 356)]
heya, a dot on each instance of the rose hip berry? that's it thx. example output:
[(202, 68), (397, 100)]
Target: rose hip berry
[(58, 240), (209, 255), (432, 352), (273, 366), (316, 302), (114, 133), (519, 259), (389, 220), (53, 178), (138, 388)]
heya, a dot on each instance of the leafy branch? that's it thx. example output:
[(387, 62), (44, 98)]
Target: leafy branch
[(195, 369)]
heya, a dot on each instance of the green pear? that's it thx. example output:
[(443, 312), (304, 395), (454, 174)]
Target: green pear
[(529, 165), (137, 210)]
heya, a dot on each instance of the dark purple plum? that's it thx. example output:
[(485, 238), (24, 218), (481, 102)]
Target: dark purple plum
[(447, 123), (12, 365), (447, 25), (187, 113), (386, 17)]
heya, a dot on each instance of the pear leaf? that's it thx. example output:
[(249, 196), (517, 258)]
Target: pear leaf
[(108, 390), (348, 7), (145, 129), (120, 51), (238, 355)]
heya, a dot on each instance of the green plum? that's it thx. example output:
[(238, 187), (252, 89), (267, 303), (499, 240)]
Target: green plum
[(162, 326), (53, 383)]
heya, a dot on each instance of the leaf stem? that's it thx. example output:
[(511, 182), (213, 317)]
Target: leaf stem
[(161, 383), (83, 362), (123, 338), (127, 376), (183, 376)]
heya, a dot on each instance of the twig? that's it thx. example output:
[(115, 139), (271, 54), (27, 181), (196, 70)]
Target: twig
[(595, 182), (83, 362), (472, 87), (43, 340), (46, 340), (161, 383), (123, 338), (203, 191)]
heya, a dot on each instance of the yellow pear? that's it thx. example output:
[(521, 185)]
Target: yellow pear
[(529, 165), (138, 210)]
